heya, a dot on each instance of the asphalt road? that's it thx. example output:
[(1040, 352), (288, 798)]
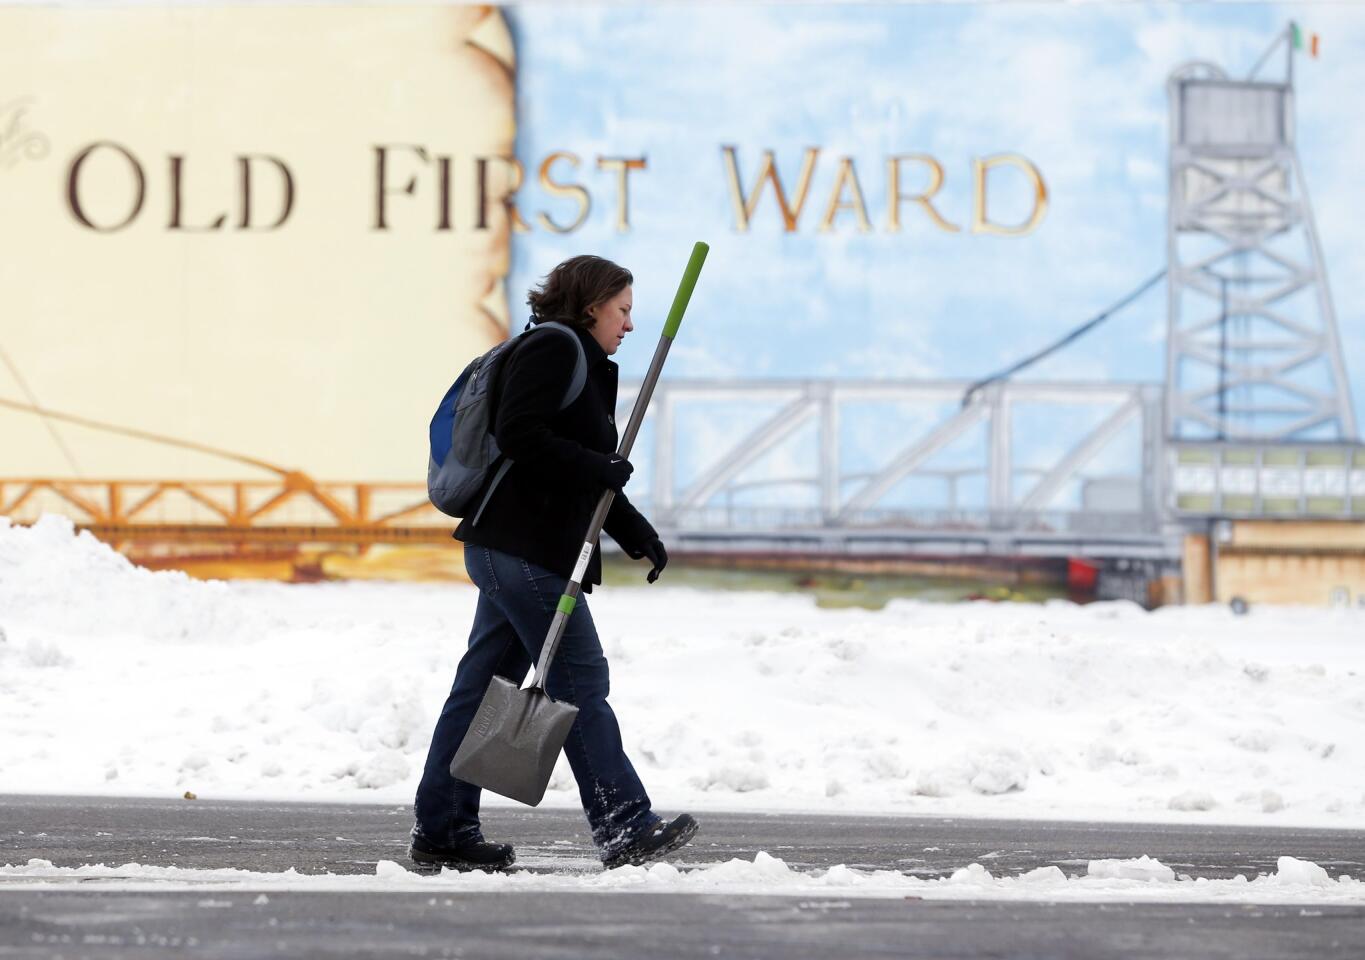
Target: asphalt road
[(86, 921)]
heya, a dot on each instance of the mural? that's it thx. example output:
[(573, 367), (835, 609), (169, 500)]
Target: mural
[(273, 234), (254, 228)]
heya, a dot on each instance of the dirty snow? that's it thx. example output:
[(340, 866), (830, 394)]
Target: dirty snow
[(1295, 881)]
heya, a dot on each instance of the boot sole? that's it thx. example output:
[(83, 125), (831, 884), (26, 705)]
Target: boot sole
[(432, 862), (648, 856)]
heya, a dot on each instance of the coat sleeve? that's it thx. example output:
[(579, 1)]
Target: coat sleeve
[(628, 527), (537, 374)]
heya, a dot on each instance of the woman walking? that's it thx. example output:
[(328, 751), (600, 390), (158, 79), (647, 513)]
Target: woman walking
[(521, 553)]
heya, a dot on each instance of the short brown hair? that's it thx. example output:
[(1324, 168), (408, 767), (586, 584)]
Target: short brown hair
[(570, 289)]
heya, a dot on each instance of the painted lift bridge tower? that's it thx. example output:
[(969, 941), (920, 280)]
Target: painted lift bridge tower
[(1259, 421), (1252, 349)]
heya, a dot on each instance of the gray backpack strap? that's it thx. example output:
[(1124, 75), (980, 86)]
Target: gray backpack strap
[(497, 479), (576, 382), (580, 366)]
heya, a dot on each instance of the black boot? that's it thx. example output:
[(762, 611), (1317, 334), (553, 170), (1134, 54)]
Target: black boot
[(474, 854), (656, 842)]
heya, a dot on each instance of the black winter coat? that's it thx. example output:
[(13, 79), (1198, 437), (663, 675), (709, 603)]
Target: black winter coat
[(541, 509)]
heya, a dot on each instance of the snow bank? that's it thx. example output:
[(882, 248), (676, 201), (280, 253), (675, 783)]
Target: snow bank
[(74, 584), (765, 875), (117, 679)]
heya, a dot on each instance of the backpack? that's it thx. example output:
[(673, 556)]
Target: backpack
[(463, 450)]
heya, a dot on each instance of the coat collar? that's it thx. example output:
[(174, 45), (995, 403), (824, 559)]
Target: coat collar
[(592, 350)]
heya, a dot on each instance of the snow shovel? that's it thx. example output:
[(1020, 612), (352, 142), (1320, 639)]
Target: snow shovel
[(516, 734)]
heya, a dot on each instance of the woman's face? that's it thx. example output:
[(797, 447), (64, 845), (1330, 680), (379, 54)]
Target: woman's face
[(611, 321)]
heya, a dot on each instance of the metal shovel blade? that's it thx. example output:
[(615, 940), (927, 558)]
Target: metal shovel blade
[(513, 742)]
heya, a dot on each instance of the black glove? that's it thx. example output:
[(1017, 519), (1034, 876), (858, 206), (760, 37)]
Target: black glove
[(611, 470), (654, 552)]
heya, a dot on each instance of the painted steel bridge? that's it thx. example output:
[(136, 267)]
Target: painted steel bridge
[(730, 497), (1108, 484)]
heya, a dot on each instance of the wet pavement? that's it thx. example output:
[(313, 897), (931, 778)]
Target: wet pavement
[(351, 838), (86, 921)]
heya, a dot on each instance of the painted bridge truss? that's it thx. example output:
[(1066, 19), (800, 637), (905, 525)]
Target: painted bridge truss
[(783, 483), (738, 496), (287, 511)]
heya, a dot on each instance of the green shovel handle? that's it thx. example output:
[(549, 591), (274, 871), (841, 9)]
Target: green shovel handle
[(684, 294), (569, 598)]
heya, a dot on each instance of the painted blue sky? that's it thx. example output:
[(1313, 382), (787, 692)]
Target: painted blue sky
[(1079, 89)]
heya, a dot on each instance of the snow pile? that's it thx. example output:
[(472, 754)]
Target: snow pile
[(74, 584), (1296, 881), (115, 679)]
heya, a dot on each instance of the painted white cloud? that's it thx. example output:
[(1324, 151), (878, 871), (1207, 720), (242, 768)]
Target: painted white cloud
[(1080, 89)]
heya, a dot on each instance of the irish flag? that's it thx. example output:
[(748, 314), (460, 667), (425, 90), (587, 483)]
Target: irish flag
[(1298, 40)]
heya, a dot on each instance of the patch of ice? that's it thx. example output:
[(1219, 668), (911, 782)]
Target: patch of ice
[(1294, 872), (971, 873), (1043, 876), (1143, 868)]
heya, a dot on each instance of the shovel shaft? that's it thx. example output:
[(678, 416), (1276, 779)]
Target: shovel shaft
[(569, 599)]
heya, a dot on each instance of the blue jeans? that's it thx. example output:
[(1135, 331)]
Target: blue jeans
[(517, 600)]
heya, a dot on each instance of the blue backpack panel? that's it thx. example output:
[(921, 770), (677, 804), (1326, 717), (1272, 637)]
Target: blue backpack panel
[(464, 454)]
